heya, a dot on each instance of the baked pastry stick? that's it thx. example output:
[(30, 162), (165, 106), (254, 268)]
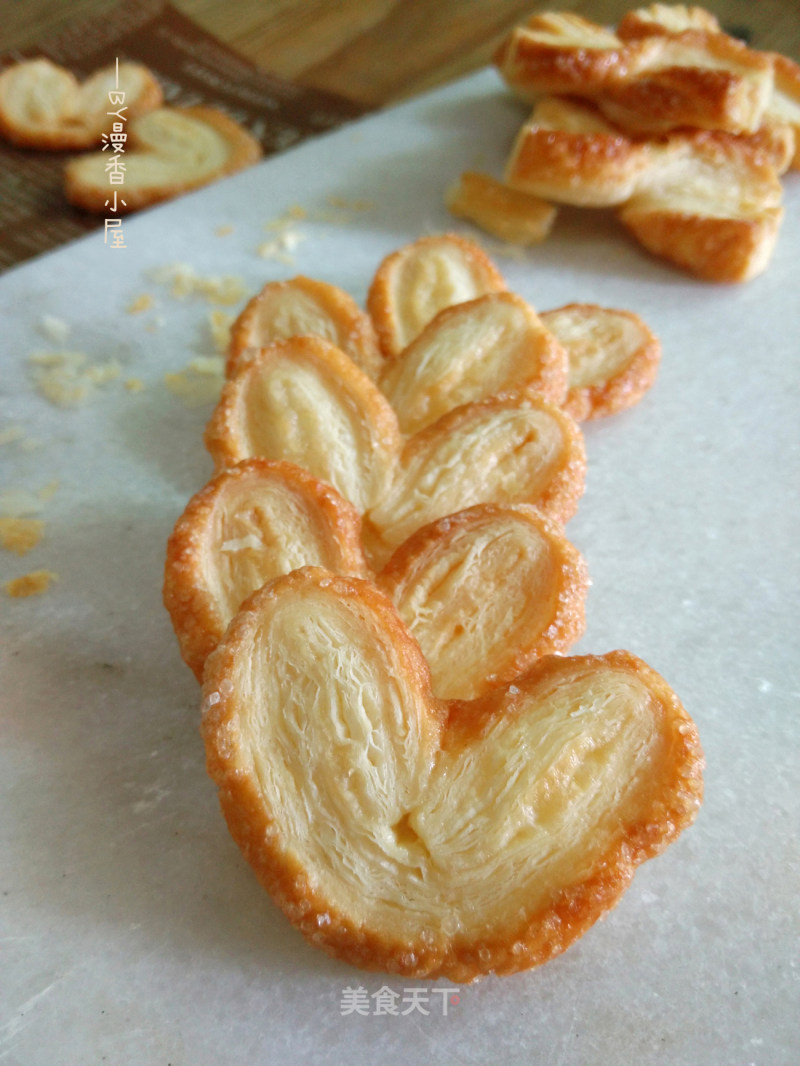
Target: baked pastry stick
[(304, 307), (649, 84), (486, 591), (44, 106), (251, 523), (424, 837), (169, 151), (420, 279), (709, 202)]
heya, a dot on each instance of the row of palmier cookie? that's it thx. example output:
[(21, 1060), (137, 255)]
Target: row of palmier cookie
[(419, 783), (681, 129)]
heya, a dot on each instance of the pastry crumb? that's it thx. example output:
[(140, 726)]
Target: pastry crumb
[(54, 329), (280, 248), (184, 281), (141, 303), (17, 503), (223, 231), (67, 378), (20, 535), (35, 583), (220, 322), (199, 383), (10, 435), (134, 384)]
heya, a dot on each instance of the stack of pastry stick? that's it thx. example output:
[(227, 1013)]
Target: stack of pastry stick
[(681, 129), (377, 592)]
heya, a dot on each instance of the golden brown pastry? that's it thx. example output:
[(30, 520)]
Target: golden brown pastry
[(169, 151), (414, 283), (251, 523), (305, 401), (486, 592), (613, 358), (518, 448), (709, 202), (430, 838), (303, 306), (44, 106), (648, 84), (473, 350), (508, 214)]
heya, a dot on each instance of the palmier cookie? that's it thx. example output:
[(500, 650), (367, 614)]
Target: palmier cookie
[(169, 151), (424, 837), (485, 591), (304, 307), (43, 105), (303, 400), (251, 523), (420, 279)]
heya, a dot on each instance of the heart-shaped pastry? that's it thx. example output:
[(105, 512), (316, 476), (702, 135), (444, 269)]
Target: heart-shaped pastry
[(304, 307), (412, 285), (432, 838), (485, 591), (305, 401), (42, 105), (169, 151)]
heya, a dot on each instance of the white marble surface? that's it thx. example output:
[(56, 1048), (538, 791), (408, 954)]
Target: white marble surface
[(132, 930)]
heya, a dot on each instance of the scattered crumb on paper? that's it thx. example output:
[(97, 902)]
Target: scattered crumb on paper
[(10, 435), (20, 535), (56, 330), (200, 382), (35, 583), (17, 503), (141, 303), (134, 384), (223, 231), (68, 379), (220, 322), (184, 281)]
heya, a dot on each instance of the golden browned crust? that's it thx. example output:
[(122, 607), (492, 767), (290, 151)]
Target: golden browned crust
[(613, 358), (517, 448), (305, 401), (665, 19), (251, 523), (43, 106), (486, 592), (346, 790), (169, 151), (303, 306), (508, 214), (416, 282), (471, 351)]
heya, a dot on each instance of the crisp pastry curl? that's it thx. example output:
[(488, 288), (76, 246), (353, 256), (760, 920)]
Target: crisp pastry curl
[(44, 106), (304, 307), (470, 351), (305, 401), (250, 524), (424, 837), (414, 283), (508, 214), (710, 202), (648, 84), (169, 151), (613, 358), (485, 591)]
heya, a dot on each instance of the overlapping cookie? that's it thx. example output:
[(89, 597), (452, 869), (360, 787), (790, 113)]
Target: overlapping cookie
[(422, 786), (427, 837), (485, 591), (169, 151), (44, 106)]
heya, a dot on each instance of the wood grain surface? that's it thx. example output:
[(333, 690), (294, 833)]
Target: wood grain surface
[(380, 51)]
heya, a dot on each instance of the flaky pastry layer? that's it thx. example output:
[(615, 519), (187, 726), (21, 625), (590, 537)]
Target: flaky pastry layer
[(424, 837), (169, 151), (44, 106)]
